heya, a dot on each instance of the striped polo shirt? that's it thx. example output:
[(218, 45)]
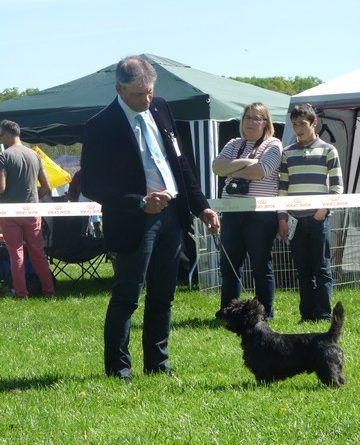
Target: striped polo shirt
[(269, 156), (312, 169)]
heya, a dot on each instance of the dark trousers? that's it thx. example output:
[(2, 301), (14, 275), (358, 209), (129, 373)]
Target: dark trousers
[(310, 249), (252, 233), (155, 262)]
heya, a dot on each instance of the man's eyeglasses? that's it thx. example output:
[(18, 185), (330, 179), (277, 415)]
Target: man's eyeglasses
[(256, 119)]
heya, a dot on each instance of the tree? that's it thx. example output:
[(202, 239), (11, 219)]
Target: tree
[(11, 93), (281, 84)]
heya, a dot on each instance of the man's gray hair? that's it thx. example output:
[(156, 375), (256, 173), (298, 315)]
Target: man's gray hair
[(10, 127), (135, 69)]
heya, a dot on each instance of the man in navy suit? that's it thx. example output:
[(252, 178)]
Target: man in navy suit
[(132, 165)]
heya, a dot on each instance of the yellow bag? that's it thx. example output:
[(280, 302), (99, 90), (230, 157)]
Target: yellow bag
[(56, 175)]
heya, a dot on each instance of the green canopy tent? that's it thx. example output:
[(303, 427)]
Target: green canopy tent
[(200, 102)]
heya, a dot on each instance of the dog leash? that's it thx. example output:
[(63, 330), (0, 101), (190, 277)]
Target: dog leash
[(219, 245)]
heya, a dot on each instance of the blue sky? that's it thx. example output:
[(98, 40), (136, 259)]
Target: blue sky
[(45, 43)]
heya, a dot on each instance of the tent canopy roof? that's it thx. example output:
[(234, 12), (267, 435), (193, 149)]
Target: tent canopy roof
[(344, 91), (220, 98), (192, 95)]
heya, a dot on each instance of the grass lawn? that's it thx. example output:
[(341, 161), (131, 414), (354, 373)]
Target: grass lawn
[(53, 389)]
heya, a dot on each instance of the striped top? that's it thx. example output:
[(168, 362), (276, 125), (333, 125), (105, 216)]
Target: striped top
[(310, 170), (269, 156)]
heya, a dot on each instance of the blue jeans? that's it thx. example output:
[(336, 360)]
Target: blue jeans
[(310, 249), (252, 233), (155, 262)]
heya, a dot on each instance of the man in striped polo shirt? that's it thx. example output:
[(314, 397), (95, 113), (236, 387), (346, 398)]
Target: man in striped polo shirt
[(310, 167)]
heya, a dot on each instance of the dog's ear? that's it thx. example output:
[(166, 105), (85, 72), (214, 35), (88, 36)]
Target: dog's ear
[(234, 303), (233, 316), (252, 303), (257, 308)]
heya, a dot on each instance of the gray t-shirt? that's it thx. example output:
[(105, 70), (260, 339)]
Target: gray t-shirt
[(22, 166)]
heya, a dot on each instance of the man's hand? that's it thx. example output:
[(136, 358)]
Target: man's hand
[(156, 202), (211, 220)]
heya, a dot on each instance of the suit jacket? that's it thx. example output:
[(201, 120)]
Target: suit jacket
[(112, 174)]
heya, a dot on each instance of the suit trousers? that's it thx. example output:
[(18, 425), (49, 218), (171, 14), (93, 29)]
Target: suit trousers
[(154, 264)]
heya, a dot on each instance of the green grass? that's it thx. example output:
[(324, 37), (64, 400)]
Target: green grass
[(53, 389)]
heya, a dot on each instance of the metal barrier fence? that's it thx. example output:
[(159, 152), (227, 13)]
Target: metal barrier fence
[(345, 256)]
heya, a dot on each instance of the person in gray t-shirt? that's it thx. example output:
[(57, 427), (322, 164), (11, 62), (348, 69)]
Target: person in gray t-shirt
[(20, 169)]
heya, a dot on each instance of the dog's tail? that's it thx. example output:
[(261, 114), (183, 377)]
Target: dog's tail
[(337, 321)]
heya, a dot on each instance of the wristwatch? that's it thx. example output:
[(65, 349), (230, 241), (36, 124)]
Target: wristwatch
[(142, 204)]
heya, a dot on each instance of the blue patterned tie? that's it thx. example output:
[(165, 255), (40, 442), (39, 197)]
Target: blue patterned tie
[(157, 155)]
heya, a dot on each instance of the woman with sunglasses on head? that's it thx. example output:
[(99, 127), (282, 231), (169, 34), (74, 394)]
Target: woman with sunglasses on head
[(251, 166)]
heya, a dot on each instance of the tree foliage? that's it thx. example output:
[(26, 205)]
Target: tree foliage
[(11, 93), (281, 84)]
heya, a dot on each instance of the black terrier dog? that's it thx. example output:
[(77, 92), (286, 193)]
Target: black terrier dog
[(272, 356)]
